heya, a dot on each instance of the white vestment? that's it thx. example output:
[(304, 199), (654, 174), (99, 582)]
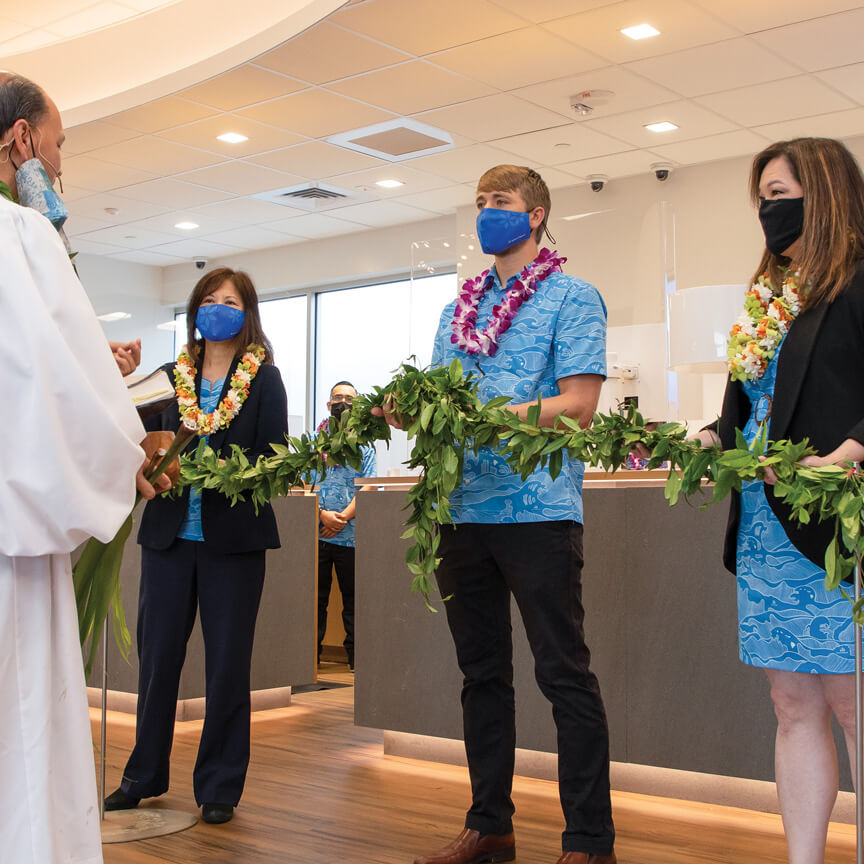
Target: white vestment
[(69, 453)]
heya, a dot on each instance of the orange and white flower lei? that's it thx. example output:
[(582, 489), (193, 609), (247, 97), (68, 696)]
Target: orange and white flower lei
[(229, 407), (762, 326)]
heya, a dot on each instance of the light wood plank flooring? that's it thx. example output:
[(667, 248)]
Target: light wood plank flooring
[(319, 791)]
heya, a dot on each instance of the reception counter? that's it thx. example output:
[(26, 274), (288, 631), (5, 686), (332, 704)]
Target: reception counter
[(660, 622)]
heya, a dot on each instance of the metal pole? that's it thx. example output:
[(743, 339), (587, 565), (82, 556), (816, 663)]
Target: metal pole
[(859, 726), (105, 720)]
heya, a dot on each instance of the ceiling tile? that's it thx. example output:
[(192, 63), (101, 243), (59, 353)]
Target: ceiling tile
[(128, 236), (156, 155), (204, 134), (89, 136), (749, 16), (44, 12), (681, 25), (192, 248), (165, 224), (542, 57), (546, 10), (100, 176), (173, 194), (316, 160), (326, 52), (776, 101), (822, 43), (557, 178), (711, 68), (377, 214), (492, 117), (316, 113), (631, 92), (849, 80), (464, 165), (241, 178), (415, 181), (29, 41), (741, 142), (423, 26), (565, 144), (90, 247), (444, 200), (242, 86), (153, 259), (250, 237), (615, 165), (315, 225), (74, 193), (127, 209), (692, 120), (249, 211), (160, 114), (78, 224), (95, 17), (839, 124), (412, 87)]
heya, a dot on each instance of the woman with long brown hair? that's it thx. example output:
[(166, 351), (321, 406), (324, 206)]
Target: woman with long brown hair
[(797, 363), (200, 553)]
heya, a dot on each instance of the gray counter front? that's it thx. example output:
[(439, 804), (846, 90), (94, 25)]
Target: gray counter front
[(660, 622)]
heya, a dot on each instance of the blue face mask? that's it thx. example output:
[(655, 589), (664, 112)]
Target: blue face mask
[(35, 191), (217, 322), (498, 230)]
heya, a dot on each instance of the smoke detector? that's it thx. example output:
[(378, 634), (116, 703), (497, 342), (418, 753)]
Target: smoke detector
[(584, 103)]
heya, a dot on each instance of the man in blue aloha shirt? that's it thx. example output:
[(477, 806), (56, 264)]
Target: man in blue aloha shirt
[(336, 504), (524, 537)]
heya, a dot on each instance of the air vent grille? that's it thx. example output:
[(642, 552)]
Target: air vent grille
[(314, 193)]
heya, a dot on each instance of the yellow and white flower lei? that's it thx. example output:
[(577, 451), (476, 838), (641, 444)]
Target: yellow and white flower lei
[(762, 326), (229, 407)]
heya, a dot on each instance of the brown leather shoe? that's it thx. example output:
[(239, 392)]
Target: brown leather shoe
[(585, 858), (472, 847)]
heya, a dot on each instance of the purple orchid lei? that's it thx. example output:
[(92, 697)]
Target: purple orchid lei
[(465, 333)]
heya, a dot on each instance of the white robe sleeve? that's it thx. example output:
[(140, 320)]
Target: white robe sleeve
[(69, 434)]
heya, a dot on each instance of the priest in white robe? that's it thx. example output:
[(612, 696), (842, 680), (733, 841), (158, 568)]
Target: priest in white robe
[(69, 439)]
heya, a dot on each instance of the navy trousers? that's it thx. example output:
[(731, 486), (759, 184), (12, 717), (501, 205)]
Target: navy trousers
[(175, 583), (540, 564)]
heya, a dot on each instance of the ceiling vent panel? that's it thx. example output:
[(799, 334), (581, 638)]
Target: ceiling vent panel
[(307, 196), (395, 140)]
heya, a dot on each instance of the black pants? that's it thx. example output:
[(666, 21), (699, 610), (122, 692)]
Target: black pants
[(342, 558), (540, 563), (227, 589)]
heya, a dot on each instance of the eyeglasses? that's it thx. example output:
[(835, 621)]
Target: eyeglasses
[(339, 398)]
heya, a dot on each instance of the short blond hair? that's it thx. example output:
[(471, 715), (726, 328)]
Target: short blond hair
[(526, 181)]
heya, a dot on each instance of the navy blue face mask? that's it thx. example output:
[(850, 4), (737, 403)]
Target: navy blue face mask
[(217, 322), (782, 222), (498, 230)]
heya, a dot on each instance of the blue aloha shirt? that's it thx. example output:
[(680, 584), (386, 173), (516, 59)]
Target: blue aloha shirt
[(337, 489), (559, 331)]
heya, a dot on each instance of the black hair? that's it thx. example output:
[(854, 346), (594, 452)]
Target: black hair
[(339, 383), (20, 99)]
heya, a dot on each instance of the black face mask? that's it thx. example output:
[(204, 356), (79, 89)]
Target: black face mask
[(782, 221), (337, 409)]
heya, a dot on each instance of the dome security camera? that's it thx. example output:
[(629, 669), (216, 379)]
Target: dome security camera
[(662, 170), (597, 182), (200, 263)]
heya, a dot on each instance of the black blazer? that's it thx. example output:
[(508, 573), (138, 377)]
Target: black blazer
[(819, 394), (262, 420)]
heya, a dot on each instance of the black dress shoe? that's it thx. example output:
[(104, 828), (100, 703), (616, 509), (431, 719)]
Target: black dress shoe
[(120, 800), (217, 814)]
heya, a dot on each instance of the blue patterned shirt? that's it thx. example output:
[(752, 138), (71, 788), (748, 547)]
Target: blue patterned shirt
[(560, 331), (337, 489), (191, 528)]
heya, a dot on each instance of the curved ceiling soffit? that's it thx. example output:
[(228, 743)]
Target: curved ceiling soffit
[(159, 53)]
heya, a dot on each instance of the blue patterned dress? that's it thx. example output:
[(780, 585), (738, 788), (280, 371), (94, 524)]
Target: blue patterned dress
[(786, 618)]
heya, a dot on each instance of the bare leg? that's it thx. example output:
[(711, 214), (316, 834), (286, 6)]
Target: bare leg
[(805, 762), (839, 693)]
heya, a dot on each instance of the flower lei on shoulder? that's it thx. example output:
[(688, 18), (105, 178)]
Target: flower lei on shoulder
[(762, 326), (229, 407), (464, 324)]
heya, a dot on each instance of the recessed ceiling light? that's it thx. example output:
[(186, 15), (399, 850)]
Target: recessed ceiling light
[(186, 226), (640, 31), (114, 316), (665, 126), (389, 184), (232, 138)]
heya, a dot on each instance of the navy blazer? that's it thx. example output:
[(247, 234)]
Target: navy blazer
[(818, 394), (262, 420)]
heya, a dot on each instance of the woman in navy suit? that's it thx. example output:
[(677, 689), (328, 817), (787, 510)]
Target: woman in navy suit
[(200, 553)]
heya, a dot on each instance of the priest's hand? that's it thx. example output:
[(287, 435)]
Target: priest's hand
[(155, 446), (127, 355)]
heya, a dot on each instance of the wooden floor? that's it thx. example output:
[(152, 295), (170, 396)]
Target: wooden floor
[(319, 791)]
